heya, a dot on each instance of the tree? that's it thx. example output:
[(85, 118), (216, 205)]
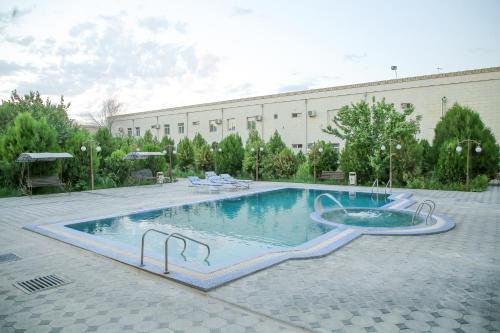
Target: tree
[(273, 147), (26, 135), (116, 167), (203, 158), (326, 160), (78, 167), (230, 159), (198, 141), (254, 142), (185, 154), (459, 123), (32, 103), (109, 108), (105, 140), (365, 128), (426, 149), (286, 163)]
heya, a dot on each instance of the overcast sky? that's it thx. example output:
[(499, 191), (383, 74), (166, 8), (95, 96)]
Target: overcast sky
[(157, 54)]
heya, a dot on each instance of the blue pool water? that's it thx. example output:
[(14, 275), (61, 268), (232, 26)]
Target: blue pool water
[(371, 218), (235, 228)]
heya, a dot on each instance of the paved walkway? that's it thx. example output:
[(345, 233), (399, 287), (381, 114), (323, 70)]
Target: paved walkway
[(441, 283)]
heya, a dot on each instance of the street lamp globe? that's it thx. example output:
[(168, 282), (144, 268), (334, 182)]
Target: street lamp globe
[(261, 148), (174, 152), (458, 149), (164, 152), (220, 150), (382, 147), (211, 150), (478, 149), (83, 148), (137, 149), (253, 149), (98, 149), (320, 149), (398, 146)]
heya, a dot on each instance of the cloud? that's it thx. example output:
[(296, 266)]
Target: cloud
[(154, 23), (295, 87), (12, 16), (106, 54), (240, 11), (10, 68), (355, 57), (24, 41), (181, 27)]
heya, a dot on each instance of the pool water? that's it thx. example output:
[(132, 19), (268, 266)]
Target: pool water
[(235, 228), (370, 218)]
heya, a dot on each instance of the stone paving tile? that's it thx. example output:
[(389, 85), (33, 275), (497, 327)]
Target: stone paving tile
[(440, 283)]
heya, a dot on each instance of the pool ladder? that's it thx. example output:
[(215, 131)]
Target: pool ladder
[(432, 207), (177, 235), (375, 186)]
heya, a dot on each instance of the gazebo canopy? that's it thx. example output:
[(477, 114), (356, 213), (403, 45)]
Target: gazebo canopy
[(39, 157), (142, 155)]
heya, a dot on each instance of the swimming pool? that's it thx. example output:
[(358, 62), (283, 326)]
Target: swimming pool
[(371, 218), (246, 232), (236, 229)]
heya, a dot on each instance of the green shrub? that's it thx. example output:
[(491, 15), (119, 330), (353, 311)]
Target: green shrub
[(479, 183), (326, 160), (185, 155), (203, 158), (230, 159), (115, 167), (285, 163), (255, 143), (303, 173)]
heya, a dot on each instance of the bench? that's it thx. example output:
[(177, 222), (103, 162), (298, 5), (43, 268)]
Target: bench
[(336, 175), (44, 181), (143, 174)]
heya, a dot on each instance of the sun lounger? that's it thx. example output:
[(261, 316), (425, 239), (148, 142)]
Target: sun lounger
[(198, 183), (242, 182), (234, 184)]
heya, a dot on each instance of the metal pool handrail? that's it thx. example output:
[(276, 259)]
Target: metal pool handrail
[(183, 237), (389, 183), (160, 232), (432, 207), (375, 183)]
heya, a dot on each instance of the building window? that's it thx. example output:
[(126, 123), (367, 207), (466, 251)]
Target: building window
[(212, 126), (129, 131), (180, 126), (330, 115), (231, 125), (297, 145), (405, 106), (166, 129), (296, 114), (196, 123), (251, 123), (336, 146), (309, 145), (137, 131), (275, 116)]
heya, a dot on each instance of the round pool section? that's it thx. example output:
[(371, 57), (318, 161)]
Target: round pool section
[(370, 218)]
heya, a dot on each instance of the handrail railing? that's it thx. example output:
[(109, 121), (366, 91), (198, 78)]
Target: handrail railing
[(432, 207), (375, 183), (173, 235), (318, 207), (388, 185), (181, 236)]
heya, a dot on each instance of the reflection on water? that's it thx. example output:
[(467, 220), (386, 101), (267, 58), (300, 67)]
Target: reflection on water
[(234, 228)]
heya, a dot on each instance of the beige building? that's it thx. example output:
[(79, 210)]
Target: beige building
[(300, 116)]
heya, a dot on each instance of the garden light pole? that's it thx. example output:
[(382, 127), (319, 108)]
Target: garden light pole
[(83, 148), (171, 150), (320, 150), (478, 150), (398, 147), (215, 160), (258, 150)]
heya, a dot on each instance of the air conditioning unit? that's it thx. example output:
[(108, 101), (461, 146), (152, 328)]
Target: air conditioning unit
[(258, 118), (311, 113), (218, 121), (155, 126), (120, 130)]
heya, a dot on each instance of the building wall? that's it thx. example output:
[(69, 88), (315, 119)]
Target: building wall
[(288, 113)]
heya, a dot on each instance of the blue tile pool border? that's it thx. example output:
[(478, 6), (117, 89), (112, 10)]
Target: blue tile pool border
[(399, 201)]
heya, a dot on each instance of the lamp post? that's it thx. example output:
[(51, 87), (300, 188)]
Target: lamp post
[(98, 149), (478, 150), (171, 150), (398, 147), (314, 154), (395, 69), (258, 150)]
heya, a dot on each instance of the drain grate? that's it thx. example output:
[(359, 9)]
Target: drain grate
[(41, 283), (8, 257)]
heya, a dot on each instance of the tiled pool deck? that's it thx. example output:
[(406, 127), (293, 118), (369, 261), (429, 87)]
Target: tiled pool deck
[(447, 282)]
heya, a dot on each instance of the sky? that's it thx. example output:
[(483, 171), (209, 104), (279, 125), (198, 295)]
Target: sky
[(157, 54)]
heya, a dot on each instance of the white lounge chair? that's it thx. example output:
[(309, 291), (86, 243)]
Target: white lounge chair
[(196, 182), (242, 182)]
